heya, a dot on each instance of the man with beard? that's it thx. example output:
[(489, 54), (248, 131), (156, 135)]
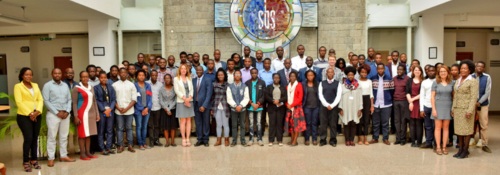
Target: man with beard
[(196, 62), (57, 99), (140, 61), (302, 72), (259, 64), (371, 57), (183, 56), (205, 59), (217, 62), (152, 63), (113, 74), (171, 65), (164, 69), (91, 69), (298, 62), (190, 58), (403, 59), (131, 74)]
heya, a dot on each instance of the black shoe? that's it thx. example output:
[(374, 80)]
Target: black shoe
[(244, 144), (397, 142), (233, 143), (105, 153), (427, 147), (199, 143), (413, 145), (322, 142), (333, 144), (111, 152), (206, 144), (158, 143), (151, 144), (403, 143), (113, 146), (463, 155)]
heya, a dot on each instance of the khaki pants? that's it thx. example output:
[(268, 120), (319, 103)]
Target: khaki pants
[(483, 121)]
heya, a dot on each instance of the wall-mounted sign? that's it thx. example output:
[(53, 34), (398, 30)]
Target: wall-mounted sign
[(45, 39)]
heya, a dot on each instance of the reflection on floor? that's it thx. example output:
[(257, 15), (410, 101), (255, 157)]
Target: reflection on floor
[(361, 159)]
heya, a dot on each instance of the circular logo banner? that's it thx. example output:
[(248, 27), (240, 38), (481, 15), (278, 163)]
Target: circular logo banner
[(265, 24)]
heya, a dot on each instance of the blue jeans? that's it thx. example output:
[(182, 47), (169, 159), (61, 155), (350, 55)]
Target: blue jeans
[(125, 121), (380, 120), (257, 117), (141, 127), (429, 126), (312, 122)]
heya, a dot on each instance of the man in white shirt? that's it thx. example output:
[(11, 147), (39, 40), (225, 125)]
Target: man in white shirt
[(277, 63), (126, 96), (154, 120), (299, 61), (426, 107), (330, 92)]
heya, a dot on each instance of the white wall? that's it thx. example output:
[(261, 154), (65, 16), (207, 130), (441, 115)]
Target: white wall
[(494, 54), (108, 7), (42, 57), (387, 39), (417, 6), (101, 35), (388, 15), (15, 59), (80, 55), (141, 19), (45, 28), (450, 47), (429, 33), (139, 43)]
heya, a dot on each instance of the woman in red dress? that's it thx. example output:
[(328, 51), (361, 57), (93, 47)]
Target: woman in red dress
[(413, 96), (295, 120)]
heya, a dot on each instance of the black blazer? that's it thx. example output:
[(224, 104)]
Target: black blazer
[(304, 88), (389, 66), (282, 74), (269, 94), (409, 84), (261, 90)]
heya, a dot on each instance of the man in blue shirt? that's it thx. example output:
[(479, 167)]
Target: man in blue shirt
[(371, 53), (196, 63), (259, 64), (302, 72), (210, 72), (57, 99), (266, 74), (373, 71)]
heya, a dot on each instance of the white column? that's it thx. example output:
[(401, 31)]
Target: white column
[(408, 45), (101, 35), (120, 45), (163, 45), (429, 33)]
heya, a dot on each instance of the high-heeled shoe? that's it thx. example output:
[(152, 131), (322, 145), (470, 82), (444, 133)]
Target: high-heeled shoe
[(27, 167), (35, 165), (458, 153)]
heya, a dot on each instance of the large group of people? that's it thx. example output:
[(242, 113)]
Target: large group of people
[(299, 94)]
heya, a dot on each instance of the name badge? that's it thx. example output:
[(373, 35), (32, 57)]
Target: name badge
[(351, 98), (242, 91), (138, 94)]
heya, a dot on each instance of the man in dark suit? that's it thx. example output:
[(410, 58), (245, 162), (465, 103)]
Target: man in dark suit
[(393, 71), (284, 79), (309, 63), (203, 88), (105, 125), (246, 54), (217, 62)]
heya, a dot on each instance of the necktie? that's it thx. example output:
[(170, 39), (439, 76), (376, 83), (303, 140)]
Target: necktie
[(329, 81), (198, 89), (287, 78)]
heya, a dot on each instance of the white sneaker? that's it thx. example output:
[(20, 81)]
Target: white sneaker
[(280, 144), (270, 143), (250, 143), (479, 144), (472, 142), (260, 143)]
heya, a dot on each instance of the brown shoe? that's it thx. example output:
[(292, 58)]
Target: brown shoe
[(120, 149), (51, 163), (66, 159), (387, 142), (227, 141), (373, 141), (218, 141), (131, 149)]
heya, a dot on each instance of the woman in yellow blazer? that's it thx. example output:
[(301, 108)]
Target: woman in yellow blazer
[(29, 103), (466, 91), (183, 88)]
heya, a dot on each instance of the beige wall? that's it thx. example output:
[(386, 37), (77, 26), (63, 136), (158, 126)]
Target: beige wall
[(450, 47), (387, 39), (189, 26), (42, 55), (139, 43), (494, 54), (80, 55), (15, 59)]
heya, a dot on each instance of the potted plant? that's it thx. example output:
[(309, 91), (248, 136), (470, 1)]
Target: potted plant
[(7, 129)]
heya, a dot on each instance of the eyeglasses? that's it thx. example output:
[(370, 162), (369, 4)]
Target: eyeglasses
[(237, 74)]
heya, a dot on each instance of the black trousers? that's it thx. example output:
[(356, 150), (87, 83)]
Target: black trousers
[(276, 122), (30, 130), (328, 118), (350, 131), (364, 122), (154, 125), (263, 118), (416, 130), (238, 118), (401, 117)]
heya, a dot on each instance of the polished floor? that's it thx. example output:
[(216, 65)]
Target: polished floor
[(361, 159)]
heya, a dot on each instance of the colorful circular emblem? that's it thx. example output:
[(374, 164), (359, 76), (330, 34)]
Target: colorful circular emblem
[(265, 24)]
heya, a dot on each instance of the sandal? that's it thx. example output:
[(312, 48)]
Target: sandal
[(35, 165), (367, 143), (438, 151), (188, 143), (295, 144), (445, 151), (289, 143), (27, 167), (184, 143)]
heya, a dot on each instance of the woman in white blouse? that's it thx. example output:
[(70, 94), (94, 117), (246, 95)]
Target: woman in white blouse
[(183, 88), (367, 95)]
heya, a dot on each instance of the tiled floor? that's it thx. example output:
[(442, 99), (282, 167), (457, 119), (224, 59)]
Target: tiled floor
[(361, 159)]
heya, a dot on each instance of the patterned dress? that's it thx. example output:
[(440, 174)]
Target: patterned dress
[(465, 97), (295, 120), (85, 108)]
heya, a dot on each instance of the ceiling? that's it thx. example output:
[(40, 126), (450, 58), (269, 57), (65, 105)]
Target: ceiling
[(49, 11), (472, 7)]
